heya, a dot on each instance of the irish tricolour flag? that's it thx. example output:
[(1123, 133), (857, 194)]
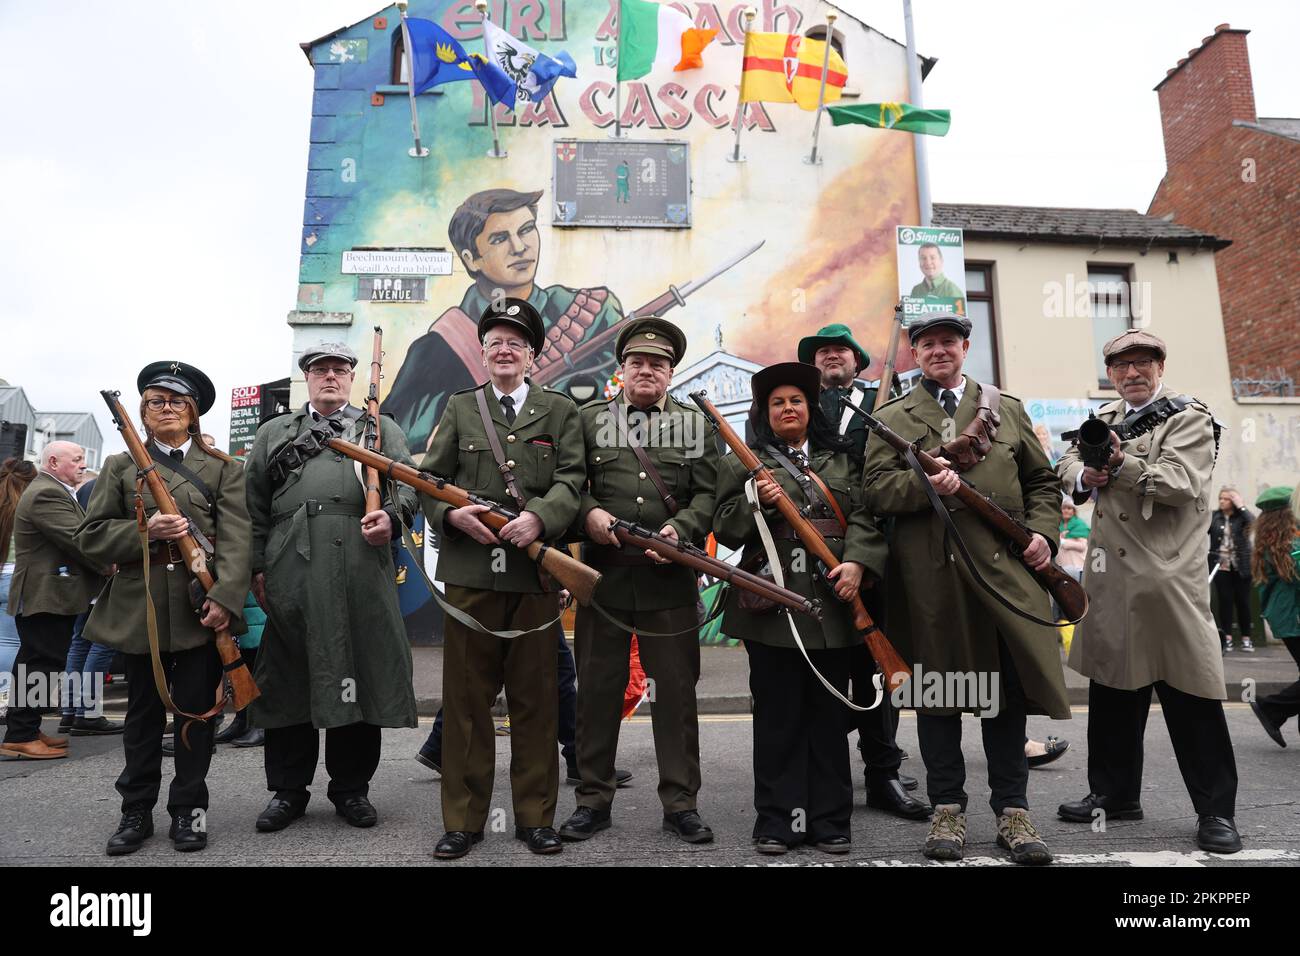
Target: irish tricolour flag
[(652, 36)]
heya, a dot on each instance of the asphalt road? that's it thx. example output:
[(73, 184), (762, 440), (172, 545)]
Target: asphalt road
[(61, 812)]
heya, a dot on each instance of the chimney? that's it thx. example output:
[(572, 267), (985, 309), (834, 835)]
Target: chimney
[(1205, 92)]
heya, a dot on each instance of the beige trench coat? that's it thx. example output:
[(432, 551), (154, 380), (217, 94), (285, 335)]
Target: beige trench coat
[(1149, 617)]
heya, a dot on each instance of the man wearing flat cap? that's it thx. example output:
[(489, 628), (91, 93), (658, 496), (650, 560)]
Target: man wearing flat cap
[(840, 359), (208, 487), (1149, 625), (650, 460), (520, 445), (334, 654), (956, 627)]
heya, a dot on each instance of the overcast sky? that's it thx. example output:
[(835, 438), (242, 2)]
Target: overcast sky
[(153, 157)]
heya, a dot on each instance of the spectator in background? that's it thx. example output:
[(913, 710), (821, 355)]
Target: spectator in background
[(1230, 553), (15, 476), (1074, 540), (1275, 568)]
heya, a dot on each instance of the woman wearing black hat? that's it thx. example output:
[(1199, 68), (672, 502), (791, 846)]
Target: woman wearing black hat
[(803, 789), (209, 488)]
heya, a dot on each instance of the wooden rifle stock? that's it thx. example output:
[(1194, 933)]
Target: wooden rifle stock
[(891, 356), (576, 577), (895, 671), (374, 497), (243, 689), (1069, 593), (683, 552)]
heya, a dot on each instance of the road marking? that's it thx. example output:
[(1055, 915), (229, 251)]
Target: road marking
[(1197, 858)]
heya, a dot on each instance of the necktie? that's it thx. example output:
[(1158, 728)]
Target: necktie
[(949, 402), (508, 403), (177, 454)]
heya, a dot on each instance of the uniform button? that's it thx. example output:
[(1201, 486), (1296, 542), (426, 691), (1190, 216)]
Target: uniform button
[(996, 555), (1142, 447), (640, 500), (336, 497), (1123, 516), (510, 464), (641, 474), (338, 457), (510, 438), (952, 557), (338, 541), (471, 447), (597, 458), (1122, 552)]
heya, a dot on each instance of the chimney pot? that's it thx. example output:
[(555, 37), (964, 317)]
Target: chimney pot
[(1180, 63), (1221, 27)]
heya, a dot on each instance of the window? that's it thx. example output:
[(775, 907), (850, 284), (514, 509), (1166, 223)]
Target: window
[(1109, 287), (398, 67), (837, 38), (981, 360)]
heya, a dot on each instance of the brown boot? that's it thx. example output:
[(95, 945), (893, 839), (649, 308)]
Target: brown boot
[(57, 743), (31, 750)]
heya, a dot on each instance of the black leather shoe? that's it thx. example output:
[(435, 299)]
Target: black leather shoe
[(237, 727), (95, 727), (541, 840), (358, 811), (771, 846), (909, 783), (135, 828), (431, 759), (65, 723), (456, 844), (688, 825), (833, 844), (1273, 730), (892, 798), (253, 737), (185, 838), (1081, 811), (1054, 746), (279, 813), (1217, 834), (585, 823)]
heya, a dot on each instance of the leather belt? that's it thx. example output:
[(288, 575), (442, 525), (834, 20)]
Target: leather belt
[(163, 553), (826, 527), (315, 508)]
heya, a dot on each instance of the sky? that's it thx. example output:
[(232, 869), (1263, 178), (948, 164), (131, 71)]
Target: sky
[(153, 158)]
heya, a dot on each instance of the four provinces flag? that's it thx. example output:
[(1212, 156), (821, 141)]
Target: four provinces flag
[(786, 68), (902, 116), (435, 58), (655, 35), (531, 73)]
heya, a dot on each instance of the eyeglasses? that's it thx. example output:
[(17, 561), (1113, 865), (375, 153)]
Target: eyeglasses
[(1141, 365), (322, 371), (513, 345), (158, 404)]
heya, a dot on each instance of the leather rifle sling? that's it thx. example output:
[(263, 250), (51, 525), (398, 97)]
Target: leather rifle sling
[(494, 442), (811, 485), (646, 464)]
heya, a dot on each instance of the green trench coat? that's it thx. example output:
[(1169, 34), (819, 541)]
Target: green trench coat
[(334, 651), (733, 526), (108, 535), (950, 623)]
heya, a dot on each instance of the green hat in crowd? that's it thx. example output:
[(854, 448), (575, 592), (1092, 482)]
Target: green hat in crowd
[(837, 333), (1275, 499)]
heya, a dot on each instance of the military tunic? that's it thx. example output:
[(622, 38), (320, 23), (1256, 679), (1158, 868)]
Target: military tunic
[(643, 594), (499, 586), (335, 650)]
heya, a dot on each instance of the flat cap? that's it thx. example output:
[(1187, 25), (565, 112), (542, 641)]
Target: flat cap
[(1133, 339), (327, 350), (516, 312), (1275, 499), (934, 320), (651, 336), (181, 379)]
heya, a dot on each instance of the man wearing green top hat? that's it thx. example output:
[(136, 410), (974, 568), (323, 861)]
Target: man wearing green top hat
[(840, 359)]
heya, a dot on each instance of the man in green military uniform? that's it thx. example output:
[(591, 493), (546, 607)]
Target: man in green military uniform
[(956, 628), (935, 284), (650, 460), (519, 444), (494, 233), (334, 654), (840, 359)]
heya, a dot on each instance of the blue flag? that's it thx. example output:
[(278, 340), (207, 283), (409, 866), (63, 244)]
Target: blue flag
[(436, 57), (531, 72)]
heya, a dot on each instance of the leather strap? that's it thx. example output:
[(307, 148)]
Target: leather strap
[(826, 527), (812, 486), (494, 441), (171, 464), (646, 464)]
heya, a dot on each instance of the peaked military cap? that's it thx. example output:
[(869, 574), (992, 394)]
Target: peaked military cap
[(651, 336), (179, 378), (514, 312)]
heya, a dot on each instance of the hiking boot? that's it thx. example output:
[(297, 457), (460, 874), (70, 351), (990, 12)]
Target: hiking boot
[(1016, 834), (947, 833)]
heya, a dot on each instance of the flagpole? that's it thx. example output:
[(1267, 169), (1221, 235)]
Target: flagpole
[(417, 151), (735, 156), (618, 85), (914, 95), (813, 159), (495, 152)]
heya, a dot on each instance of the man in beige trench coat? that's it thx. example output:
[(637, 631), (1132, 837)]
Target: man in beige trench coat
[(1149, 624)]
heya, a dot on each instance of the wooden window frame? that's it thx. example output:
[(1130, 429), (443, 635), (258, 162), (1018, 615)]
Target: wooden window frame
[(986, 296)]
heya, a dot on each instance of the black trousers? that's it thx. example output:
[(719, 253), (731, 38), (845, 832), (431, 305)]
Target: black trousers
[(1234, 594), (193, 677), (1286, 702), (44, 640), (877, 728), (803, 787), (1004, 748), (351, 758), (1117, 723)]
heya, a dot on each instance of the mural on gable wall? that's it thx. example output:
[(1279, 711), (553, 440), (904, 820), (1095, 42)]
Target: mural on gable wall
[(828, 229)]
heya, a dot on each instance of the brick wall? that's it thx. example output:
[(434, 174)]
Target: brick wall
[(1205, 93)]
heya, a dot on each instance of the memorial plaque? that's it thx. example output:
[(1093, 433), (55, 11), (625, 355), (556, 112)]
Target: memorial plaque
[(621, 182)]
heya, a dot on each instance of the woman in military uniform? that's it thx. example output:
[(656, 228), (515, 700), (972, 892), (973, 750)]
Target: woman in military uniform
[(209, 489), (803, 789)]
